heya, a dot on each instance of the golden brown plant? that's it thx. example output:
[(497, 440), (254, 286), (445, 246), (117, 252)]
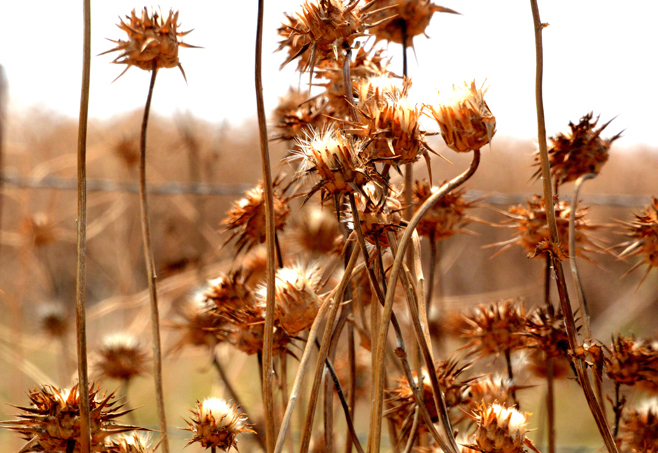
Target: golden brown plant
[(546, 332), (378, 213), (631, 360), (215, 423), (135, 442), (500, 429), (53, 319), (644, 233), (488, 390), (408, 17), (295, 296), (578, 152), (465, 119), (230, 293), (198, 323), (246, 218), (495, 327), (152, 41), (39, 230), (120, 356), (52, 421), (639, 427), (315, 232), (447, 217), (296, 112)]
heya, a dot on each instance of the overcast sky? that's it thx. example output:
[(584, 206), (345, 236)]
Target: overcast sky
[(599, 55)]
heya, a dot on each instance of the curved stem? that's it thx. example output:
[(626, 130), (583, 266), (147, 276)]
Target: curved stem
[(583, 377), (81, 264), (268, 340), (150, 268), (375, 422)]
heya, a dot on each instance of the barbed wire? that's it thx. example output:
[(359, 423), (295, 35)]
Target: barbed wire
[(234, 189)]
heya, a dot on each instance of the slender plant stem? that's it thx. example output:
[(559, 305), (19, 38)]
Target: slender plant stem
[(618, 409), (548, 268), (375, 422), (510, 376), (570, 324), (413, 433), (550, 403), (430, 284), (150, 269), (306, 356), (81, 264), (268, 340)]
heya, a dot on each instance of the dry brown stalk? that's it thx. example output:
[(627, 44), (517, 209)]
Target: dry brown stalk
[(583, 378), (81, 247)]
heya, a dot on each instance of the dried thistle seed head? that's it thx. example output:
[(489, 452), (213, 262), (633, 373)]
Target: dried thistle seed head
[(120, 356), (297, 112), (198, 323), (532, 228), (135, 442), (535, 361), (489, 389), (53, 319), (632, 360), (52, 421), (217, 423), (295, 296), (643, 231), (335, 159), (38, 230), (319, 31), (246, 218), (465, 119), (546, 331), (230, 293), (249, 337), (639, 427), (495, 327), (315, 232), (447, 217), (152, 41), (378, 215), (499, 429), (578, 152), (408, 18)]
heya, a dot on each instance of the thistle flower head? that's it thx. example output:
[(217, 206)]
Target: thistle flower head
[(296, 112), (447, 217), (495, 327), (152, 41), (120, 356), (246, 218), (198, 323), (465, 119), (295, 295), (579, 151), (631, 361), (499, 429), (230, 293), (52, 421), (53, 319), (639, 427), (407, 18), (135, 442), (315, 232), (378, 213), (643, 231), (488, 390), (217, 423), (546, 331)]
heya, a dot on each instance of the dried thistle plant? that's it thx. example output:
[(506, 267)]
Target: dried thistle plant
[(198, 323), (134, 442), (579, 151), (500, 429), (120, 356), (315, 232), (378, 213), (152, 41), (52, 420), (53, 319), (215, 423), (643, 231), (547, 334), (630, 360), (639, 427)]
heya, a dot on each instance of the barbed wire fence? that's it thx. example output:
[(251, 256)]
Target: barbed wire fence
[(234, 189)]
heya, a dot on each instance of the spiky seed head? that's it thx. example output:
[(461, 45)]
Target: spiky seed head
[(217, 423), (229, 292), (52, 421), (410, 17), (198, 323), (246, 218), (135, 442), (53, 319), (535, 361), (643, 231), (546, 330), (152, 41), (495, 327), (378, 213), (447, 217), (500, 429), (465, 119), (295, 296), (488, 390), (639, 427), (120, 356), (297, 112), (315, 232), (632, 360), (579, 151)]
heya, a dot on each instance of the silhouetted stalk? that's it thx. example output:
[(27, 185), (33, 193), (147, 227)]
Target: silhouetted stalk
[(150, 268), (618, 406), (510, 376), (570, 324), (81, 247), (268, 340)]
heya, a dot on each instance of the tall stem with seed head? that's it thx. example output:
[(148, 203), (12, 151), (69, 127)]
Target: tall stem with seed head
[(150, 269), (268, 340), (570, 323), (81, 266)]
